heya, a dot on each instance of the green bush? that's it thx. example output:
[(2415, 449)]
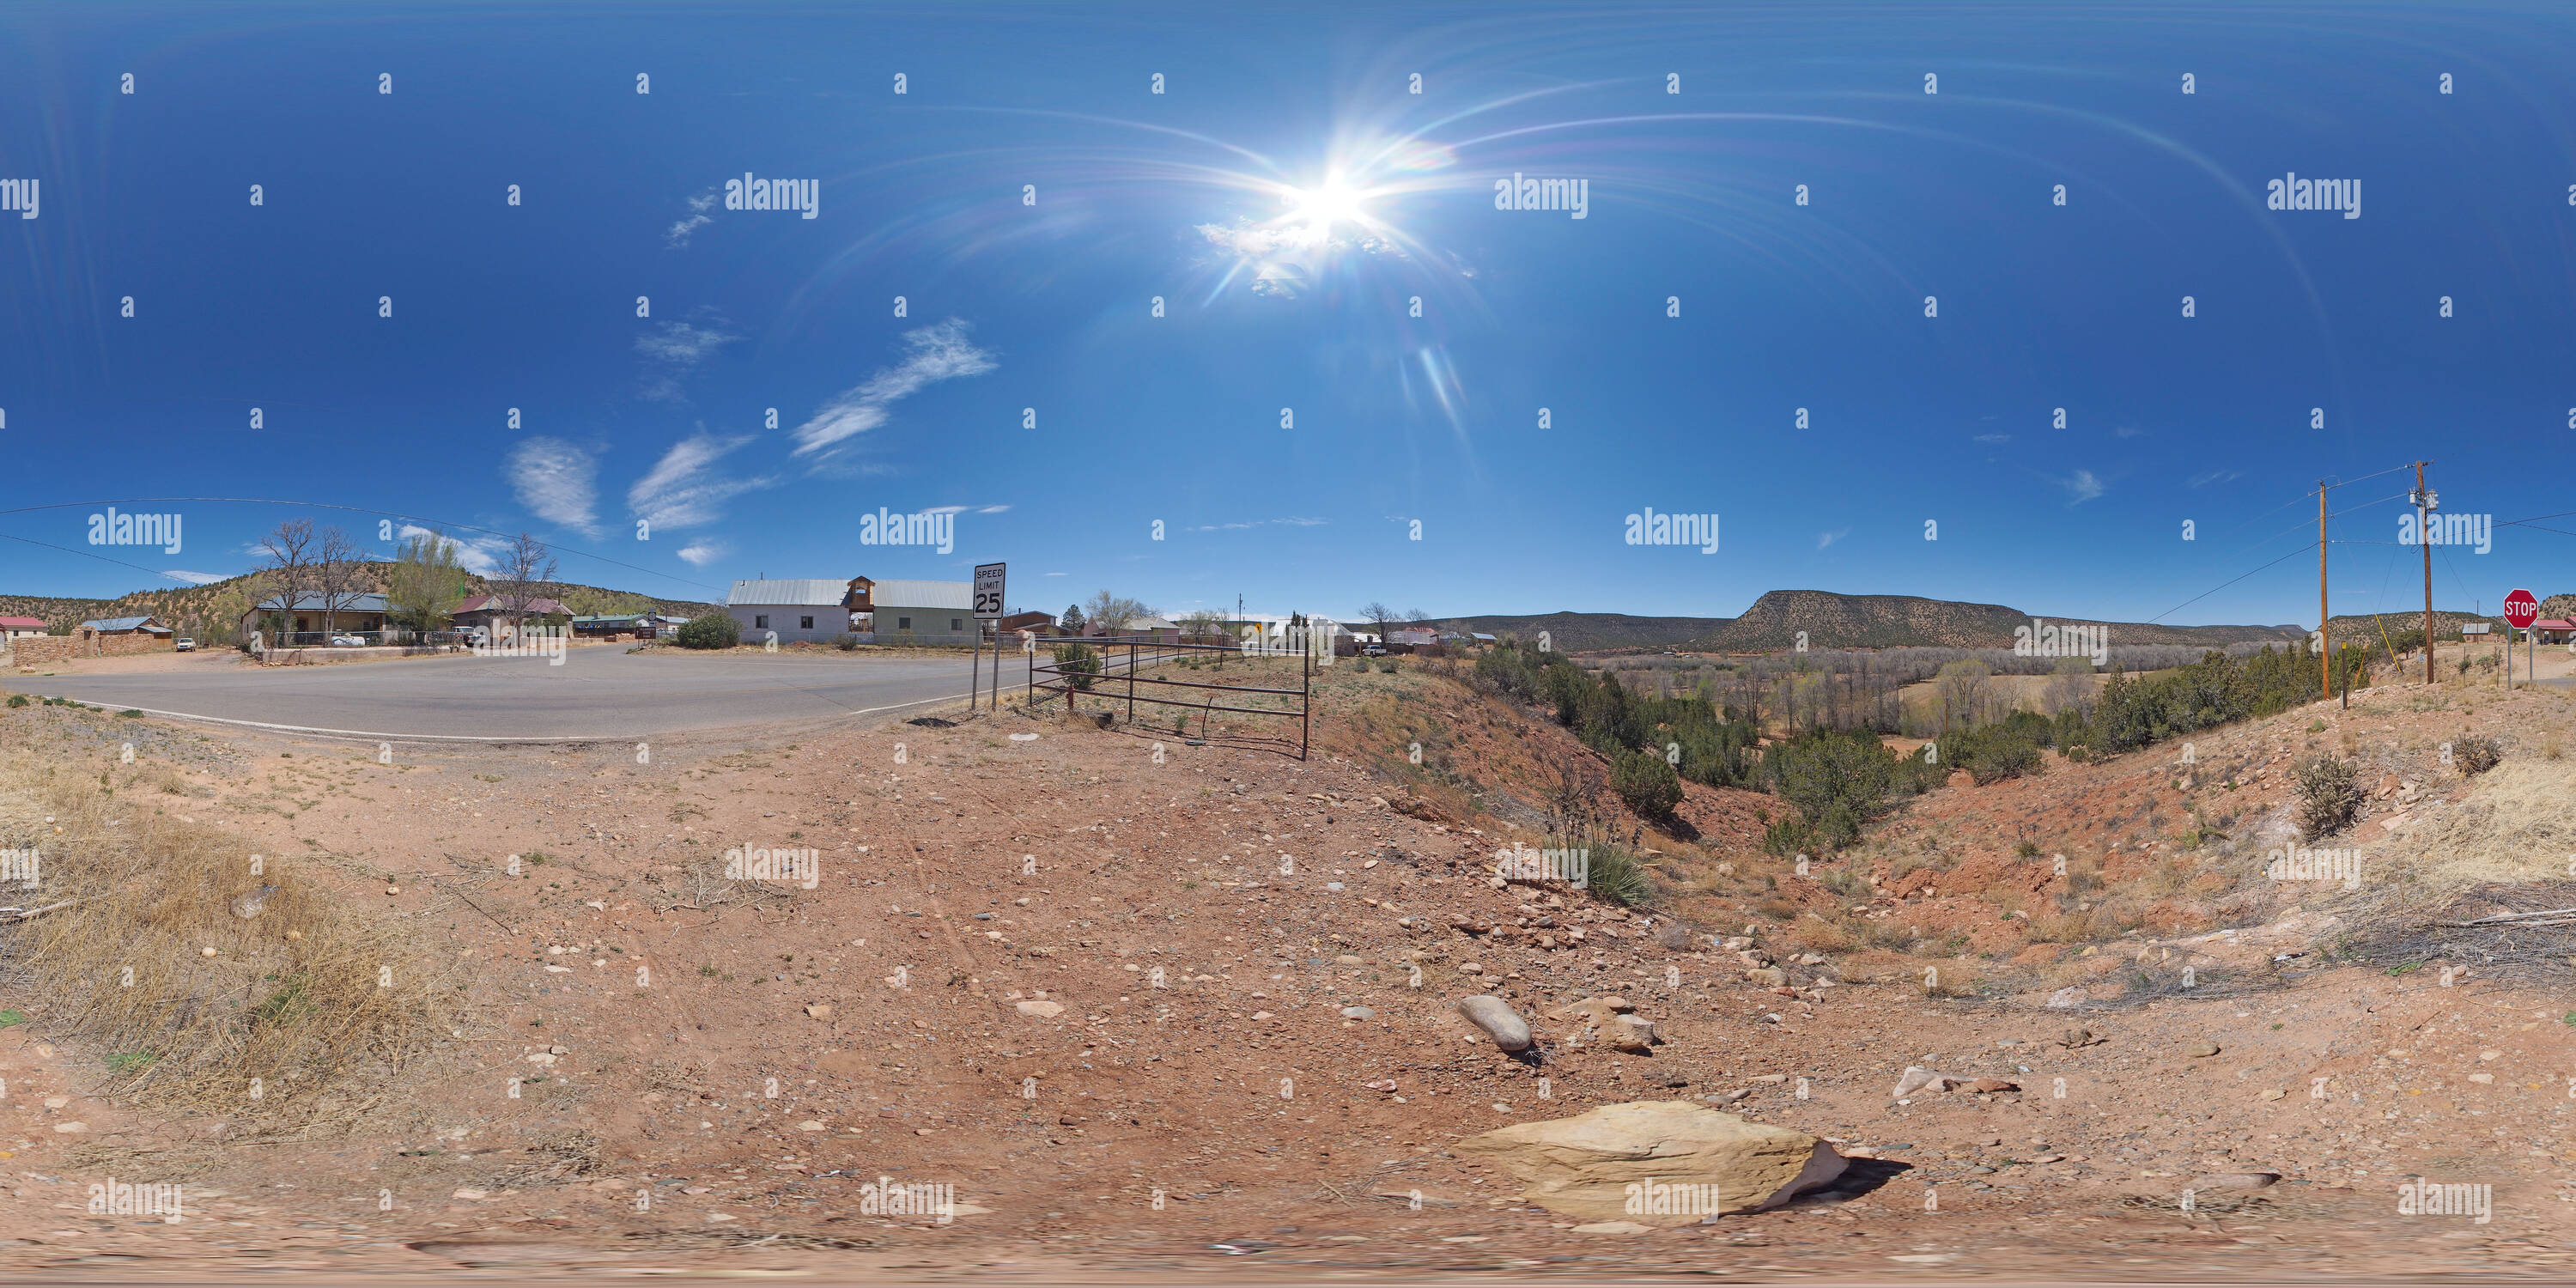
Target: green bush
[(1649, 785), (1081, 663), (1996, 751), (2328, 796), (17, 699), (1838, 782), (1613, 875), (715, 630)]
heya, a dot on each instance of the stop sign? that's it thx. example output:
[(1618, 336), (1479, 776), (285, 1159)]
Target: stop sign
[(2521, 609)]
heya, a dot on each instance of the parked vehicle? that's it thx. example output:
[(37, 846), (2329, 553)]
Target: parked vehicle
[(347, 641), (185, 645), (1372, 649)]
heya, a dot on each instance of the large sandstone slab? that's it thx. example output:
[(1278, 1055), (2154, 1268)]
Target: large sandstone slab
[(1661, 1162)]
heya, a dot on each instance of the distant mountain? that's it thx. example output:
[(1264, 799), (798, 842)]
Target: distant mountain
[(1589, 632), (211, 609), (1833, 620)]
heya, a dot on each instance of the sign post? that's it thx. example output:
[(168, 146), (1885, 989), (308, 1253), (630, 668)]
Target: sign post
[(2521, 609), (989, 581)]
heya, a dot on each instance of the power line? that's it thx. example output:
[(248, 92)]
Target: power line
[(87, 555)]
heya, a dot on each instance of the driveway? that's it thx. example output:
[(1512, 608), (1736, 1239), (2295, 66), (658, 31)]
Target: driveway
[(598, 693)]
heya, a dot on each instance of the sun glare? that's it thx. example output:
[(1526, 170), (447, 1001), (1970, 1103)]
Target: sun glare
[(1327, 204)]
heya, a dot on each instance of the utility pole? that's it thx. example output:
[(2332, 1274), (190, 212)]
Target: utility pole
[(2424, 503), (2325, 645)]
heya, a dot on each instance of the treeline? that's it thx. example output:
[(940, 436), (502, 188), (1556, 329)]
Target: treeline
[(1839, 780), (1651, 742)]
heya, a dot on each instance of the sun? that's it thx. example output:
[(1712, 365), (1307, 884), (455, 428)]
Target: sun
[(1329, 203)]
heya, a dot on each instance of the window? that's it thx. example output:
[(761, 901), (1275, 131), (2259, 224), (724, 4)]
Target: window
[(760, 622), (956, 623), (903, 623), (805, 623)]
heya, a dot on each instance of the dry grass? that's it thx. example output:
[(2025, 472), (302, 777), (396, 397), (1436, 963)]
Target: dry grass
[(296, 1020)]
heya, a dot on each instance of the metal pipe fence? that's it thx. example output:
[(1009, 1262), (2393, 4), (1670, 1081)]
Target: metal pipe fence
[(1069, 680)]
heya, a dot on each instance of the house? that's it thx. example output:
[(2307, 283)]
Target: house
[(481, 612), (605, 624), (107, 637), (811, 609), (146, 625), (917, 612), (2554, 630), (1038, 624), (357, 615), (1412, 637), (13, 627), (1153, 626)]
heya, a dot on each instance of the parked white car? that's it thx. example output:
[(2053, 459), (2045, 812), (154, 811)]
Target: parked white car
[(185, 645), (347, 641)]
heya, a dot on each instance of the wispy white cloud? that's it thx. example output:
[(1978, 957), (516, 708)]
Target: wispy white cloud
[(2215, 476), (1824, 539), (674, 349), (1293, 522), (2127, 431), (930, 354), (193, 578), (1992, 438), (556, 481), (2082, 485), (684, 490), (964, 509), (678, 237), (703, 552)]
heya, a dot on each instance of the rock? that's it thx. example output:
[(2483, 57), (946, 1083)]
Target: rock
[(1768, 976), (1914, 1079), (1347, 960), (2234, 1181), (1041, 1009), (248, 906), (1629, 1033), (819, 1011), (2200, 1049), (2073, 1038), (71, 1129), (1600, 1164), (1358, 1013), (1773, 1079), (1499, 1021), (1614, 1227), (1986, 1085), (2066, 999)]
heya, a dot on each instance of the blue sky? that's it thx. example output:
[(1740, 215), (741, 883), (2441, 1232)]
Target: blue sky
[(1289, 199)]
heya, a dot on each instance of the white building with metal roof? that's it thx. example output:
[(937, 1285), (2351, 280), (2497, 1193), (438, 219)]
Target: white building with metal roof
[(813, 609), (917, 612)]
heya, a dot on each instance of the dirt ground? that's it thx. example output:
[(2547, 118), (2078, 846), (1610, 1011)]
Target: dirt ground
[(1153, 1008)]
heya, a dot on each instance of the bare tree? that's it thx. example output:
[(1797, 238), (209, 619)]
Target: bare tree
[(1379, 616), (526, 566), (339, 575), (1109, 614), (1962, 688), (290, 565), (1202, 625)]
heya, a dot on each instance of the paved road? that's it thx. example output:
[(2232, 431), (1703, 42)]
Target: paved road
[(604, 693)]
